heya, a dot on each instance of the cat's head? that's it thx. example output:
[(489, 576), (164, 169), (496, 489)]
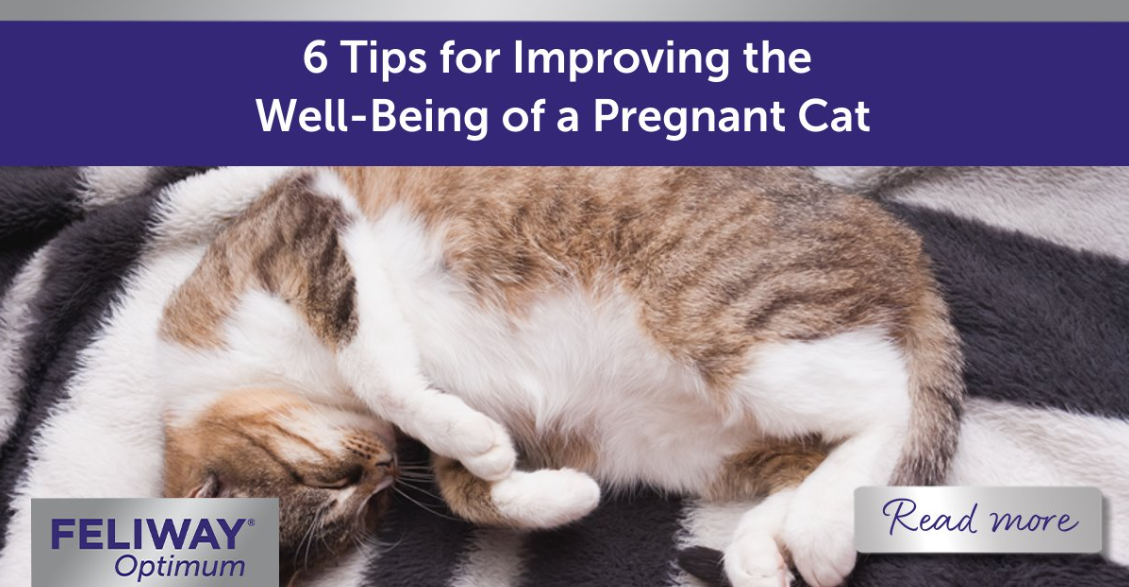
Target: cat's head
[(330, 468)]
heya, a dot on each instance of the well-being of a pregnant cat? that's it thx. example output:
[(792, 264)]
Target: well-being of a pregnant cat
[(714, 332)]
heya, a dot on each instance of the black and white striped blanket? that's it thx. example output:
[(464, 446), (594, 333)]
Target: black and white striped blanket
[(1034, 262)]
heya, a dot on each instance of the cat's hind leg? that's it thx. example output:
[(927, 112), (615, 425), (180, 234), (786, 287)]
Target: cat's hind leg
[(819, 528), (755, 557), (542, 499), (852, 390)]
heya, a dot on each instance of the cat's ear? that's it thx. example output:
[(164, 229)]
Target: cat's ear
[(211, 487)]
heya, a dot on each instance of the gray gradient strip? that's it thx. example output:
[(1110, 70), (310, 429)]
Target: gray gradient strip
[(573, 10)]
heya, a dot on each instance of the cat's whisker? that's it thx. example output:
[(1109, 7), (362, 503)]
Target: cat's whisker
[(425, 492), (390, 548), (298, 549), (426, 483), (366, 540), (439, 500), (311, 545), (306, 538), (313, 526), (415, 475), (421, 483), (415, 471), (329, 547), (423, 507)]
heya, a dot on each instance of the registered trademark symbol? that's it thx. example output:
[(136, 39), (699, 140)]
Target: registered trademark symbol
[(251, 522)]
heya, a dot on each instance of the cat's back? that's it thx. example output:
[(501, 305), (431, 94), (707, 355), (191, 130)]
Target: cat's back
[(714, 259), (528, 225)]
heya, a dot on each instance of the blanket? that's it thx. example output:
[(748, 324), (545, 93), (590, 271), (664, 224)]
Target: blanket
[(1034, 263)]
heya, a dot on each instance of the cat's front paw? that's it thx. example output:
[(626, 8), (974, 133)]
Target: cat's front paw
[(498, 461), (545, 499), (756, 561), (821, 541), (451, 428)]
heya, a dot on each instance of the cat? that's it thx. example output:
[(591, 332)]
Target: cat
[(714, 332)]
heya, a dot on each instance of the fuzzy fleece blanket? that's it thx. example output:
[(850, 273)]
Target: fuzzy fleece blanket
[(1034, 263)]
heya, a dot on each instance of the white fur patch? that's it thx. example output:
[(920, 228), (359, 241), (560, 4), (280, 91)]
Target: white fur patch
[(267, 344), (837, 386), (711, 524)]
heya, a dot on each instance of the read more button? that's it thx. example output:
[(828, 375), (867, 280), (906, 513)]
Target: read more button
[(978, 520)]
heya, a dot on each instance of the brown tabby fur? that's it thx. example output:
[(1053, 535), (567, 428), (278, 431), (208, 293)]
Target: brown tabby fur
[(285, 243)]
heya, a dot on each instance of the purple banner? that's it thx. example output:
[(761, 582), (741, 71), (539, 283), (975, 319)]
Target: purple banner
[(564, 93)]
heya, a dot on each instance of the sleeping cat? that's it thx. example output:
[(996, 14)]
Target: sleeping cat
[(724, 333)]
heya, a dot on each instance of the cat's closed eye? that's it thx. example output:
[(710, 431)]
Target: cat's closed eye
[(349, 478)]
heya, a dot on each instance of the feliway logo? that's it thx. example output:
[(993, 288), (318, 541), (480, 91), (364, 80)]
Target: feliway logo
[(155, 542)]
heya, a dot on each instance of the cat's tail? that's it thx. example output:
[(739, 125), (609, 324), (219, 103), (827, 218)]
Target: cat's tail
[(936, 384)]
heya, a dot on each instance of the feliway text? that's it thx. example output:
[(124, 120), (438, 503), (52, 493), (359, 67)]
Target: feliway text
[(99, 533), (120, 542), (978, 519), (730, 111)]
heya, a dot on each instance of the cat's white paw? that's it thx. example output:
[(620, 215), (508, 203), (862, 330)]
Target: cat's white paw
[(497, 462), (451, 428), (755, 561), (494, 465), (820, 535), (545, 498)]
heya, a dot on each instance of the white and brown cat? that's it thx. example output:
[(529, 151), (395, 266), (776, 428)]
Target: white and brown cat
[(724, 333)]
